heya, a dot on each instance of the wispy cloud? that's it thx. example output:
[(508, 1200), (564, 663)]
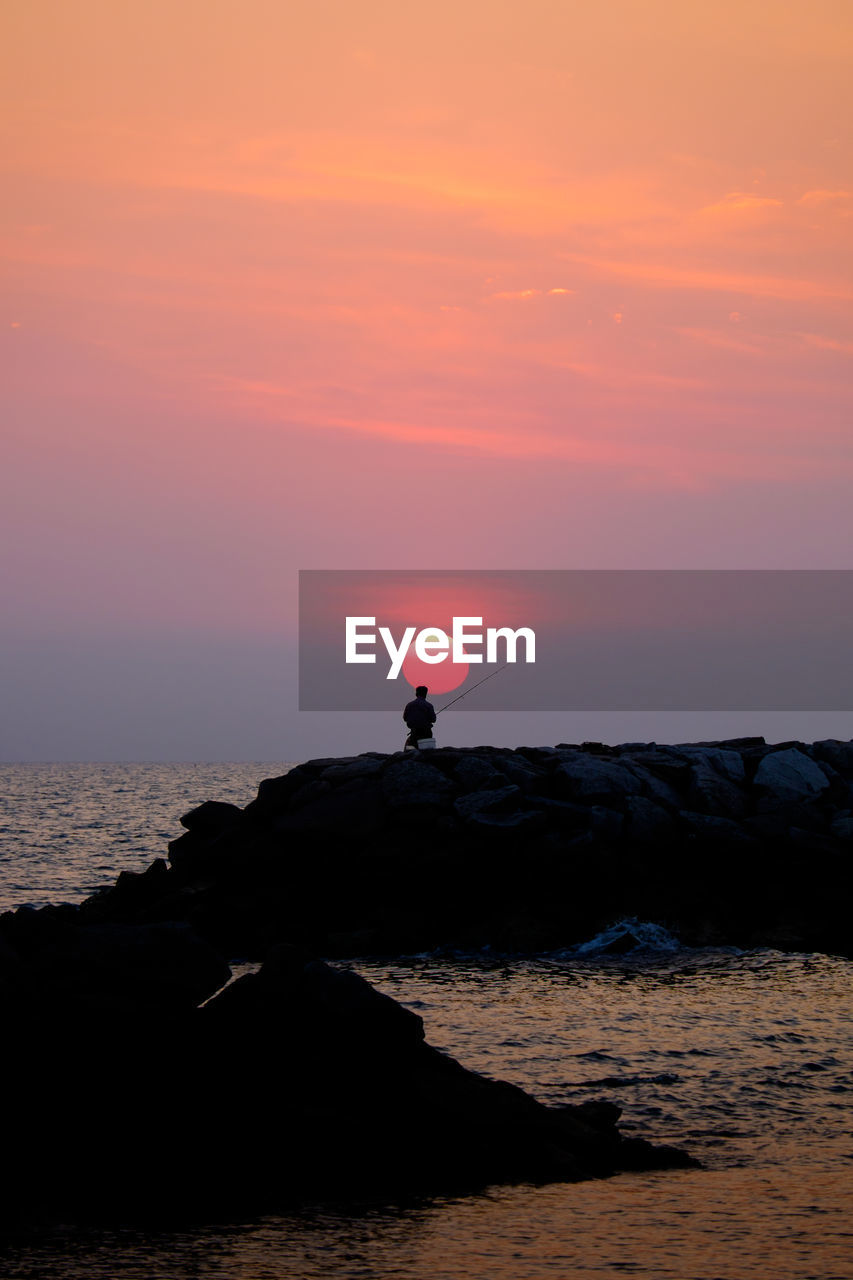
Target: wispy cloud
[(720, 338), (667, 276), (742, 202), (822, 196), (827, 344), (623, 454), (516, 295)]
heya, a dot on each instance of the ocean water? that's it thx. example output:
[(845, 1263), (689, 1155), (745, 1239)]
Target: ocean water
[(745, 1059), (68, 829)]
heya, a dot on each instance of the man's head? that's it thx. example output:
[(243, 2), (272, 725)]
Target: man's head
[(421, 691)]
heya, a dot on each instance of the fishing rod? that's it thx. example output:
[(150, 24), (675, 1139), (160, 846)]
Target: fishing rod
[(471, 690)]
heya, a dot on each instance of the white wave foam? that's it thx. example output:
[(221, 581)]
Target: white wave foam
[(646, 936)]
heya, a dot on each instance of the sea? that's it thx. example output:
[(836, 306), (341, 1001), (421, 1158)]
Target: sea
[(743, 1058)]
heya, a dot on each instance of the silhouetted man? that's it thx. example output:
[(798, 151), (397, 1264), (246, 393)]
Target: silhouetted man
[(419, 717)]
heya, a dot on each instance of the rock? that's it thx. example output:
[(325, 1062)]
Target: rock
[(391, 1109), (812, 843), (478, 806), (839, 786), (543, 757), (729, 764), (319, 1003), (470, 844), (111, 1045), (528, 820), (161, 966), (211, 818), (347, 811), (842, 826), (593, 779), (658, 789), (274, 793), (647, 821), (605, 825), (714, 793), (772, 821), (354, 771), (314, 791), (475, 774), (413, 784), (837, 754), (562, 814), (714, 829), (664, 762), (790, 775), (180, 1112), (142, 889), (518, 771), (183, 851), (11, 969)]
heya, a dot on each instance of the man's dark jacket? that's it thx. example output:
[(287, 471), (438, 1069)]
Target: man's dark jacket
[(419, 714)]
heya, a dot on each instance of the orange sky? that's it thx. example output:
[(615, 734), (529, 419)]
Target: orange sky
[(572, 281)]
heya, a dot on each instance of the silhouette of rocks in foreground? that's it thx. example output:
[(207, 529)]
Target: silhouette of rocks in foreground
[(734, 842), (126, 1093), (125, 1099)]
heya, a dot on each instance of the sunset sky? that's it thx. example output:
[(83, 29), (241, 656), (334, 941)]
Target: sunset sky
[(375, 285)]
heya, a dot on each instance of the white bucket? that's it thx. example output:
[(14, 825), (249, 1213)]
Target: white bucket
[(426, 744)]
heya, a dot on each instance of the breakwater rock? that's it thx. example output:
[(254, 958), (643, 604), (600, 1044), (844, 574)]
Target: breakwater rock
[(140, 1080), (737, 842), (127, 1097)]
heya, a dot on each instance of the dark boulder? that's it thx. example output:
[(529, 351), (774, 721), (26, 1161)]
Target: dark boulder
[(479, 806), (648, 822), (346, 811), (458, 844), (391, 1111), (354, 770), (842, 826), (593, 779), (299, 1080), (790, 776), (409, 784), (471, 773), (837, 754), (716, 786), (211, 818)]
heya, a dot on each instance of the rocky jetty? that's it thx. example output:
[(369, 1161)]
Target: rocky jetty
[(738, 842), (138, 1079)]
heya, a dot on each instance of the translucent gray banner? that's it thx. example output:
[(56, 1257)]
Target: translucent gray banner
[(602, 640)]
